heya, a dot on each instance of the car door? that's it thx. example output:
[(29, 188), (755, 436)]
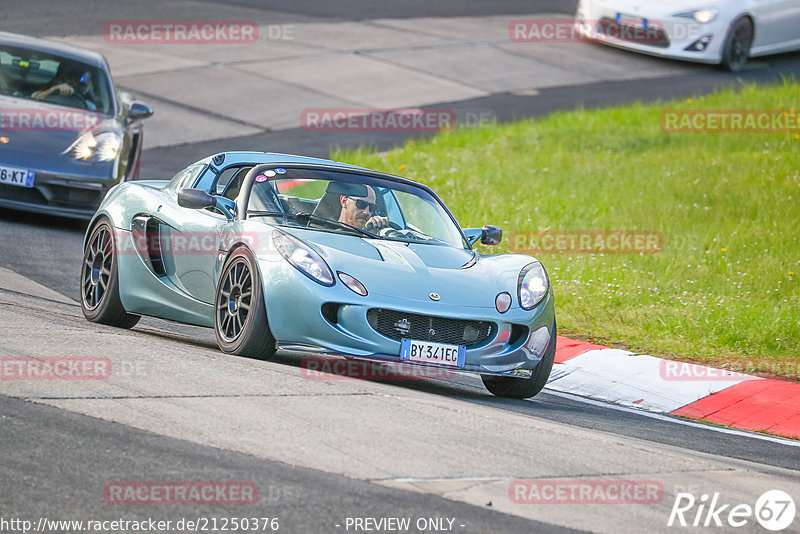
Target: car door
[(777, 24), (190, 244)]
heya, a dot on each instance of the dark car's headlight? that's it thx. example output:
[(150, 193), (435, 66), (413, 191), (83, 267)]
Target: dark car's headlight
[(532, 285), (303, 258), (100, 147)]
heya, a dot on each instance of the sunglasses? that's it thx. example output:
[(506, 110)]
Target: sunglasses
[(363, 204)]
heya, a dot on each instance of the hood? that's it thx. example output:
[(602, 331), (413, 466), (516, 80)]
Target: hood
[(658, 8), (413, 271), (40, 129)]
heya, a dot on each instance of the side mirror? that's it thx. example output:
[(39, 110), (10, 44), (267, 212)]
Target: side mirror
[(199, 199), (491, 235), (488, 235), (139, 111), (196, 199)]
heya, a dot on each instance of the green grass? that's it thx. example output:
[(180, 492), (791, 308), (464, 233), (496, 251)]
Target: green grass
[(724, 291)]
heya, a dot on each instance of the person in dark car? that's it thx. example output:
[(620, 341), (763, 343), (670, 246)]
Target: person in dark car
[(69, 81)]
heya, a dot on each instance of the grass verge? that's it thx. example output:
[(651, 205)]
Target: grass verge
[(724, 288)]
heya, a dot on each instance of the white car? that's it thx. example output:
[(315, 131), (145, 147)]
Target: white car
[(722, 32)]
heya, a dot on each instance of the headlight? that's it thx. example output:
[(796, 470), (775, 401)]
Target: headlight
[(103, 147), (303, 258), (532, 285), (703, 16)]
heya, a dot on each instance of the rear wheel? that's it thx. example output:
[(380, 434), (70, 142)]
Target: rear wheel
[(736, 50), (518, 388), (240, 316), (100, 300)]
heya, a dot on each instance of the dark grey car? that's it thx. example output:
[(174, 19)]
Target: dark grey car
[(66, 134)]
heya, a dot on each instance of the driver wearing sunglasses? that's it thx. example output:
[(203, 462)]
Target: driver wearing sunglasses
[(359, 212)]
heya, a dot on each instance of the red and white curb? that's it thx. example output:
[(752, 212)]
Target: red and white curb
[(676, 388)]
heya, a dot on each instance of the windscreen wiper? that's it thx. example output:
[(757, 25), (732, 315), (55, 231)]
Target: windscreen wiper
[(338, 224)]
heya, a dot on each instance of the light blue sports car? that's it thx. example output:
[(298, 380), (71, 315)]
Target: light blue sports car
[(287, 252)]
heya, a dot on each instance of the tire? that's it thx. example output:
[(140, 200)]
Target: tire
[(100, 300), (518, 388), (736, 50), (240, 316)]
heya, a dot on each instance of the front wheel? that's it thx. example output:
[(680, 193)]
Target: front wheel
[(736, 50), (518, 388), (240, 316), (100, 301)]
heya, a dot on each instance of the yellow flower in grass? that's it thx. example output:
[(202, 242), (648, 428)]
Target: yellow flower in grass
[(724, 249), (401, 167)]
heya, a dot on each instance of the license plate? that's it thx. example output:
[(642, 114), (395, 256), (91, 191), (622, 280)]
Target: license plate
[(428, 352), (16, 176), (634, 22)]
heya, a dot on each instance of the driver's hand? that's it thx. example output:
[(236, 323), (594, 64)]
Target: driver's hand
[(65, 89), (375, 223)]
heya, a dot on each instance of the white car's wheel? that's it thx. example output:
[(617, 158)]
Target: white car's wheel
[(736, 50)]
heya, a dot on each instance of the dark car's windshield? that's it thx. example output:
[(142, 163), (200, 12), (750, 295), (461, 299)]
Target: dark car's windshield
[(352, 203), (45, 77)]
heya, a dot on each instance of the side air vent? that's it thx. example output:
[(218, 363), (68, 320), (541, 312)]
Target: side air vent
[(146, 235)]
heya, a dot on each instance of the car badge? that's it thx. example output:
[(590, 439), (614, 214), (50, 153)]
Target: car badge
[(402, 326), (218, 159), (261, 178), (431, 332), (434, 296), (280, 170)]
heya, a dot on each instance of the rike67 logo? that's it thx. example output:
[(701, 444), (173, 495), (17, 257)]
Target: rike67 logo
[(774, 510)]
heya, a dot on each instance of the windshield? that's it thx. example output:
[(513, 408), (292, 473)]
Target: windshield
[(44, 77), (354, 204)]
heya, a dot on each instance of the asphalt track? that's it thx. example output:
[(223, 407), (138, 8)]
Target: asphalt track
[(61, 444)]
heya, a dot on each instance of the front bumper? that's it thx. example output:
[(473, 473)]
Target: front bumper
[(52, 194), (516, 344), (664, 34)]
